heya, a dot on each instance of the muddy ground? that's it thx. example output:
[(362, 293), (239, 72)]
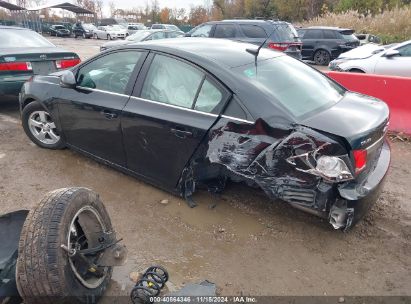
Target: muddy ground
[(246, 244)]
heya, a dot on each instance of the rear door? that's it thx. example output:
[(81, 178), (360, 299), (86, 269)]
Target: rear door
[(173, 106), (398, 65), (311, 40)]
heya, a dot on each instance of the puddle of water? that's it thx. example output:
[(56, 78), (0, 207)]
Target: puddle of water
[(223, 218)]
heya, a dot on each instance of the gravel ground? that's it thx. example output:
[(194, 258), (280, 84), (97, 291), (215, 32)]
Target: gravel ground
[(246, 245)]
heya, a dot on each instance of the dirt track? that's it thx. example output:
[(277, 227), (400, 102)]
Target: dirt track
[(245, 245)]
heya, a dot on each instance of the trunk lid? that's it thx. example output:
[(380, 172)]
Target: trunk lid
[(361, 120), (43, 60)]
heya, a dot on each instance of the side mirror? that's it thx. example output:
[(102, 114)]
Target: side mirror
[(391, 53), (68, 80), (187, 35)]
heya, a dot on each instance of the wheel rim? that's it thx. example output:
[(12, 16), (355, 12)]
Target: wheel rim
[(43, 128), (321, 57), (77, 239)]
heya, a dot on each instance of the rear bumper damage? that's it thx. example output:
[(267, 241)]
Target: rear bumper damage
[(358, 198), (259, 154)]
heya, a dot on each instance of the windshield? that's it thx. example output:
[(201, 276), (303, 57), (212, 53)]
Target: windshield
[(11, 38), (138, 36), (350, 37), (300, 89)]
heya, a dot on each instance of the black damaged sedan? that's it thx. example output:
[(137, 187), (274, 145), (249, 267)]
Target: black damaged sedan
[(186, 113)]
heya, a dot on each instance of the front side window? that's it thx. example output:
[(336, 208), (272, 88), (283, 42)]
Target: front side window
[(109, 73), (405, 51), (225, 31), (202, 31), (301, 90), (172, 81)]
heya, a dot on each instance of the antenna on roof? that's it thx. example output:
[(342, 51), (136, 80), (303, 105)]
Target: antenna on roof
[(255, 52)]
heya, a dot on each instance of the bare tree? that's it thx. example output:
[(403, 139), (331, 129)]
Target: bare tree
[(112, 7)]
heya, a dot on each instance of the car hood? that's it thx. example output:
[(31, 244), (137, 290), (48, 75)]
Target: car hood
[(355, 117), (362, 52), (116, 43)]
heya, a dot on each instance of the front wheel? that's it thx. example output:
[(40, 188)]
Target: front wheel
[(71, 218), (40, 127), (322, 57)]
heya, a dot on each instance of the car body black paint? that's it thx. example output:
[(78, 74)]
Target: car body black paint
[(213, 147)]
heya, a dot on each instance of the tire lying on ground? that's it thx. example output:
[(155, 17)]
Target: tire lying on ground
[(45, 273)]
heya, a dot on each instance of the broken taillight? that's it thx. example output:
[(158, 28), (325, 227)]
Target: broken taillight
[(360, 160)]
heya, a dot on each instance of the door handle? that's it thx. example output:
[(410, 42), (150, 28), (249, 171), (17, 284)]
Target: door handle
[(108, 114), (181, 133)]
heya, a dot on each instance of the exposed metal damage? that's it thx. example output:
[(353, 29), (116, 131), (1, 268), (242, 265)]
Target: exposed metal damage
[(279, 161)]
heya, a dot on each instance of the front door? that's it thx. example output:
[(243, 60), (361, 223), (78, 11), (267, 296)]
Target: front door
[(90, 113), (173, 107)]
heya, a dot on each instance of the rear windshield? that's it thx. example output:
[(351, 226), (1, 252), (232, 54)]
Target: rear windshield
[(284, 33), (300, 89), (11, 38)]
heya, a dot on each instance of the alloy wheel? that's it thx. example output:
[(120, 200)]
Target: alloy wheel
[(43, 128)]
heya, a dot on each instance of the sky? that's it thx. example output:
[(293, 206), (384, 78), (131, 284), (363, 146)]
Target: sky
[(142, 3)]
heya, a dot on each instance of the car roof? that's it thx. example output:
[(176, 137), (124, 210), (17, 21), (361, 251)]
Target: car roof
[(335, 28), (224, 52)]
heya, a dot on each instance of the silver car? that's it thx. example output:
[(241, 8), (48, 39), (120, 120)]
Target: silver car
[(143, 35), (373, 59)]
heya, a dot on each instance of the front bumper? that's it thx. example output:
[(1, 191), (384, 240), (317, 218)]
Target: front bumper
[(359, 198)]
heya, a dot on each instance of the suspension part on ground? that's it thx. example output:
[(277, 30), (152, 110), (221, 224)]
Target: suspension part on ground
[(150, 285)]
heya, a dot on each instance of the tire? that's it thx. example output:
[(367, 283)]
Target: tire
[(40, 127), (95, 36), (322, 57), (44, 271), (108, 37)]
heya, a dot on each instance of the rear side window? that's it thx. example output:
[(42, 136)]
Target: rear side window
[(253, 31), (209, 98), (172, 81), (329, 34), (313, 34), (225, 31)]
